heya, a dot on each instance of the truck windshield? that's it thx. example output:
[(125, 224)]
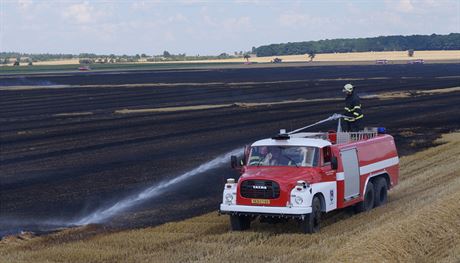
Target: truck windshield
[(300, 156)]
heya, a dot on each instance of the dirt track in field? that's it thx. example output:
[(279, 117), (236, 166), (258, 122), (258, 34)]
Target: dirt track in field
[(66, 152)]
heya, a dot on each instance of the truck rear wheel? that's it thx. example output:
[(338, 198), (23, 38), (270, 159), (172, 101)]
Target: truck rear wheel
[(381, 194), (240, 223), (368, 202), (310, 224)]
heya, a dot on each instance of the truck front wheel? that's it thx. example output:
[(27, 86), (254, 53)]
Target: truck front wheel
[(310, 224), (240, 223)]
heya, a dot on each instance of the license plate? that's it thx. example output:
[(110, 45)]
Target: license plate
[(260, 201)]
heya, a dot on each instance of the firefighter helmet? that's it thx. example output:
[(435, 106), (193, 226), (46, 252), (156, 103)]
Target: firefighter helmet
[(348, 88)]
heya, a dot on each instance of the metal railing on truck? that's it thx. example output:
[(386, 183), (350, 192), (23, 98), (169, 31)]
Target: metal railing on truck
[(346, 137)]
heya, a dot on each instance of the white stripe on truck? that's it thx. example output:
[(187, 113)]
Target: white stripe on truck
[(378, 165), (372, 167)]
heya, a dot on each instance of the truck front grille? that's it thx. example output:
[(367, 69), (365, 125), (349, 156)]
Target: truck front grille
[(260, 189)]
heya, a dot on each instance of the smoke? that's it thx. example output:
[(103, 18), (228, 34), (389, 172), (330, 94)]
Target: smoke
[(103, 214), (23, 81), (13, 226)]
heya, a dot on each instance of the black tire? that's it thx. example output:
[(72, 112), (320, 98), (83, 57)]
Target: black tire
[(368, 202), (240, 223), (311, 222), (381, 193)]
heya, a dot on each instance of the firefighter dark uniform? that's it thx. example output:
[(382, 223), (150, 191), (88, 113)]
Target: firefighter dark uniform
[(353, 113)]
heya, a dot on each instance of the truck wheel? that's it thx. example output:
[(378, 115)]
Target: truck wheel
[(310, 224), (240, 223), (368, 202), (381, 194)]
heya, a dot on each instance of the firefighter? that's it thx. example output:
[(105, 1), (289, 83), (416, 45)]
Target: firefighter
[(353, 114), (268, 156), (272, 158)]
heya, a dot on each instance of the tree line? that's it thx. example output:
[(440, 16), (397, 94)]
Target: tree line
[(381, 43), (89, 58)]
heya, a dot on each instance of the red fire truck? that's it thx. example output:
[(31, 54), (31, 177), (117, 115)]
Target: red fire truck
[(301, 176)]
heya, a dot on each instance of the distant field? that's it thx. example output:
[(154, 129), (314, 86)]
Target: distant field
[(419, 224), (395, 55), (359, 56), (330, 57)]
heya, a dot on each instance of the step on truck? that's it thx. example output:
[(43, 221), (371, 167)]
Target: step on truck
[(303, 175)]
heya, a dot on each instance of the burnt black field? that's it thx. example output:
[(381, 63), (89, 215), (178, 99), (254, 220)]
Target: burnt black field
[(65, 152)]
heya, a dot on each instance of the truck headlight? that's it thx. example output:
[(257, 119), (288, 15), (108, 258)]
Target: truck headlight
[(298, 200), (229, 198)]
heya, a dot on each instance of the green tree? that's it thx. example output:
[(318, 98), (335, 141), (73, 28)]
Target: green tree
[(247, 57), (311, 55), (410, 52), (223, 55), (166, 54), (382, 43)]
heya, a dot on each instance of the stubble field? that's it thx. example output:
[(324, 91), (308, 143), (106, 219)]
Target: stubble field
[(73, 143), (419, 224)]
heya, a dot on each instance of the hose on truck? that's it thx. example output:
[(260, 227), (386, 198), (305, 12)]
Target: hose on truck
[(334, 117)]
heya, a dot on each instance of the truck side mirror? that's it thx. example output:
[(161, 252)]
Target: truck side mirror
[(234, 162), (334, 164)]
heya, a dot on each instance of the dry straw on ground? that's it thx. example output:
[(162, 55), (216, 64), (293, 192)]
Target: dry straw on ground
[(382, 96), (421, 223)]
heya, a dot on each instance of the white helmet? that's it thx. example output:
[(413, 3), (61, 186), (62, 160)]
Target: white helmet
[(348, 88)]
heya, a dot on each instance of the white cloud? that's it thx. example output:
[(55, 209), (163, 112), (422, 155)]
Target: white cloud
[(136, 5), (291, 19), (191, 2), (169, 36), (177, 18), (403, 6), (210, 27), (237, 24), (25, 4), (295, 20), (248, 1), (80, 13), (145, 5)]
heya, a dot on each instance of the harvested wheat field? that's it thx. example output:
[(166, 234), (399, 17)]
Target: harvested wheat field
[(421, 223), (358, 56)]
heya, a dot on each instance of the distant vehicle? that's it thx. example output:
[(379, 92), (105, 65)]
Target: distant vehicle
[(277, 60), (381, 62), (300, 176), (84, 68), (416, 61)]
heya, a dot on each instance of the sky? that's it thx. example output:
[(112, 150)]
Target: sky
[(209, 27)]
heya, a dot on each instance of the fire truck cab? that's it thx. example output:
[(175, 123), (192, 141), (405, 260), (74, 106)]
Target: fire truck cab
[(301, 176)]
